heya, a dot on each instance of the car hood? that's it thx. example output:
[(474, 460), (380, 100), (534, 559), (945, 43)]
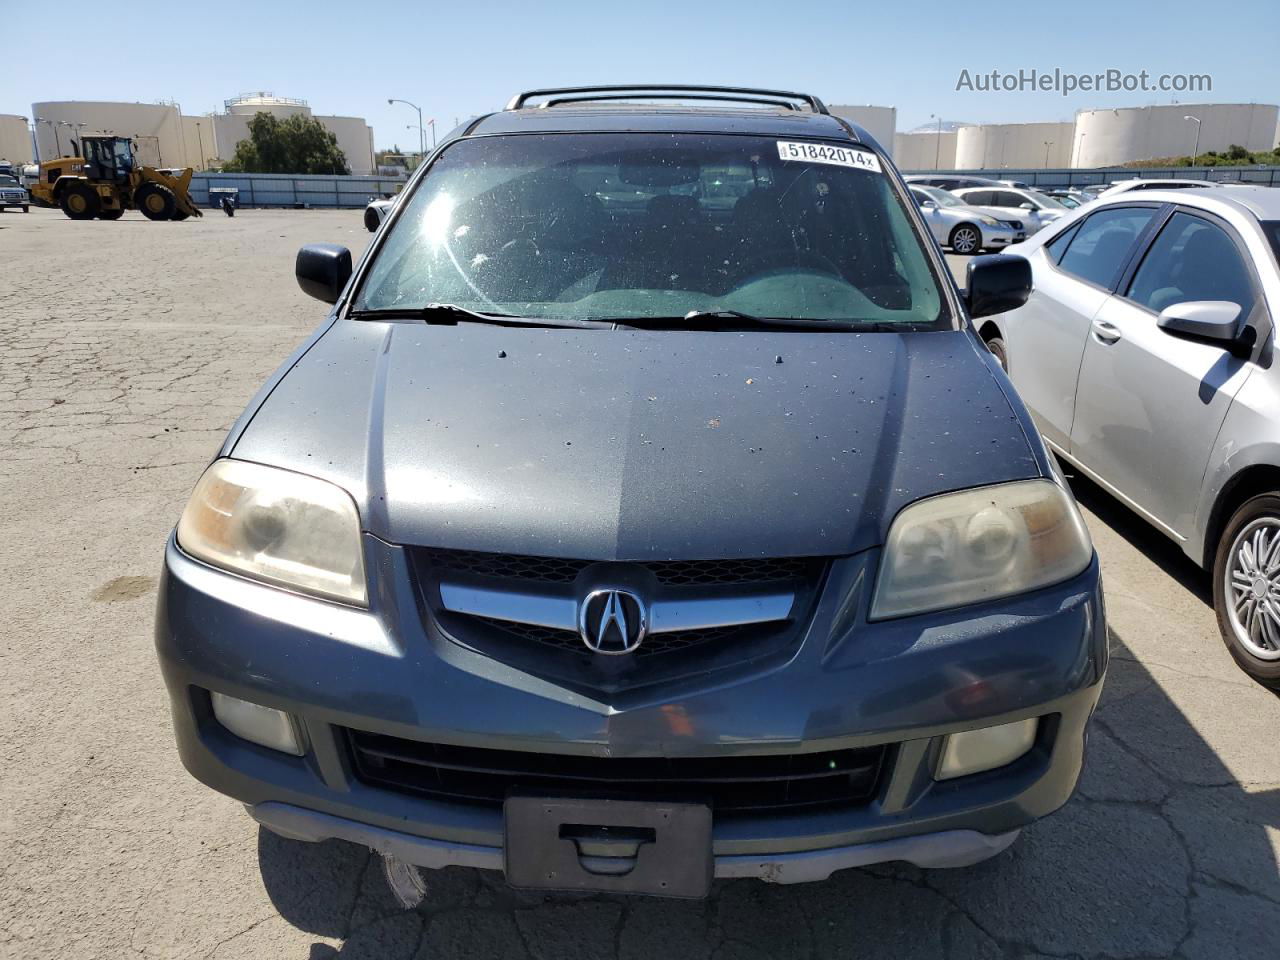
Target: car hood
[(613, 444)]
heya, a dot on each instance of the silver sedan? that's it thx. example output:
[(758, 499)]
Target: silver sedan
[(1145, 355), (963, 228)]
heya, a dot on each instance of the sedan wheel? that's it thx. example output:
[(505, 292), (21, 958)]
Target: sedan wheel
[(1247, 588), (965, 239)]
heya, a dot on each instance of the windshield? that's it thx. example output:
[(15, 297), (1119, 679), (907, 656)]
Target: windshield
[(633, 226), (941, 197), (1045, 200), (8, 181)]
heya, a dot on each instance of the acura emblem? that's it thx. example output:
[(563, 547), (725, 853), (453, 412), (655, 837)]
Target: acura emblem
[(612, 621)]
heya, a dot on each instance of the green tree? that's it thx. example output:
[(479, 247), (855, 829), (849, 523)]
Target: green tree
[(297, 144)]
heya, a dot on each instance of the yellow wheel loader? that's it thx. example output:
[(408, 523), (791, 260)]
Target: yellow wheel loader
[(106, 180)]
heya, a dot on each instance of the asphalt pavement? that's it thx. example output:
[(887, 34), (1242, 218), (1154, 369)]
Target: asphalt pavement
[(127, 349)]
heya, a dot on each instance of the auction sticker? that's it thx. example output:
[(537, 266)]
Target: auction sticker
[(825, 153)]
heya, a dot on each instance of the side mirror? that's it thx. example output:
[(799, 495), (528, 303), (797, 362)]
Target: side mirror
[(1028, 205), (928, 204), (997, 283), (323, 269), (1205, 319)]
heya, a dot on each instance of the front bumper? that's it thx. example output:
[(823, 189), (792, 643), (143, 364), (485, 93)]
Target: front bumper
[(903, 683)]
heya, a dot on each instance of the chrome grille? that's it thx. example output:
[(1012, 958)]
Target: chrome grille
[(524, 610)]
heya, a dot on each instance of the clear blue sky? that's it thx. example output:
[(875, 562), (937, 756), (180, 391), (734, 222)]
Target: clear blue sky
[(459, 58)]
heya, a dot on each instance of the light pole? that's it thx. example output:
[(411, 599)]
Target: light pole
[(422, 136), (1196, 150), (937, 143), (1047, 145), (200, 141)]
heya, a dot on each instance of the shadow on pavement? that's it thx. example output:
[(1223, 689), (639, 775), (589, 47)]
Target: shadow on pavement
[(1162, 551), (1164, 852)]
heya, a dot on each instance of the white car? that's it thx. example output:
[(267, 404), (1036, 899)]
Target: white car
[(377, 211), (963, 228), (1145, 356), (1125, 186), (1031, 206)]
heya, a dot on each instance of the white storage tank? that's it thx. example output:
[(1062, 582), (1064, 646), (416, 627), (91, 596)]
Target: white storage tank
[(1107, 138), (925, 150), (15, 139), (880, 122), (994, 146), (156, 126)]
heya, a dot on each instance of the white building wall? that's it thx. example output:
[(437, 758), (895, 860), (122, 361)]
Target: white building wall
[(353, 134), (1105, 138), (157, 127), (354, 139), (925, 151), (880, 122), (15, 139), (200, 139), (992, 146)]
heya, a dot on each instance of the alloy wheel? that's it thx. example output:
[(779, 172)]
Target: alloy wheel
[(1252, 588), (965, 240)]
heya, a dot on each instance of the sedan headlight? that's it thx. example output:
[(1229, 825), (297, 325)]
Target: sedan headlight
[(981, 544), (990, 221), (278, 526)]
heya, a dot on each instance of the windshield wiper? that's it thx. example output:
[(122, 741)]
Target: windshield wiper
[(738, 320), (451, 313)]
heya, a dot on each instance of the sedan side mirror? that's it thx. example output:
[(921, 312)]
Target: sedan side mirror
[(996, 284), (927, 204), (1206, 319), (1028, 205), (323, 269)]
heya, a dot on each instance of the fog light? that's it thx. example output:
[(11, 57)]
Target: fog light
[(976, 750), (265, 726)]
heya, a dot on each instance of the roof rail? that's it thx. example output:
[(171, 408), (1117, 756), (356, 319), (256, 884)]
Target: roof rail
[(557, 96)]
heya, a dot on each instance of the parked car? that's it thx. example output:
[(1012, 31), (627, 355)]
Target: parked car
[(963, 228), (1126, 186), (13, 194), (1033, 207), (582, 525), (1071, 198), (949, 181), (376, 211), (1144, 355)]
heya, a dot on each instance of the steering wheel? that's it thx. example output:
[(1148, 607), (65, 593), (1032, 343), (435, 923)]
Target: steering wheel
[(761, 263)]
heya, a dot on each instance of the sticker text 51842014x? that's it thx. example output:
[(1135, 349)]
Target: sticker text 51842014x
[(826, 153)]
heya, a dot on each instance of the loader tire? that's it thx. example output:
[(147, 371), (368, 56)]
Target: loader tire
[(155, 201), (79, 201), (180, 215), (111, 214)]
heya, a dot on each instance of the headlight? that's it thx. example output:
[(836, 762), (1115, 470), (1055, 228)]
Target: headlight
[(275, 525), (990, 221), (978, 545)]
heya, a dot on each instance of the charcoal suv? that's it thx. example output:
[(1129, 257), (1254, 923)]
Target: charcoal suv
[(646, 510)]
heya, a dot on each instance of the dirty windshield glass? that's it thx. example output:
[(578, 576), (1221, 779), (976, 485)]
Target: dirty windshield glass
[(629, 226)]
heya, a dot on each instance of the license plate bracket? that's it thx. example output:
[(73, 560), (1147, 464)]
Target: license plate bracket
[(615, 846)]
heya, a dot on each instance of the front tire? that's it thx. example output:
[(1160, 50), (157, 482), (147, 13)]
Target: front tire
[(371, 221), (79, 201), (26, 208), (155, 201), (1246, 588), (111, 214), (965, 239), (999, 351)]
